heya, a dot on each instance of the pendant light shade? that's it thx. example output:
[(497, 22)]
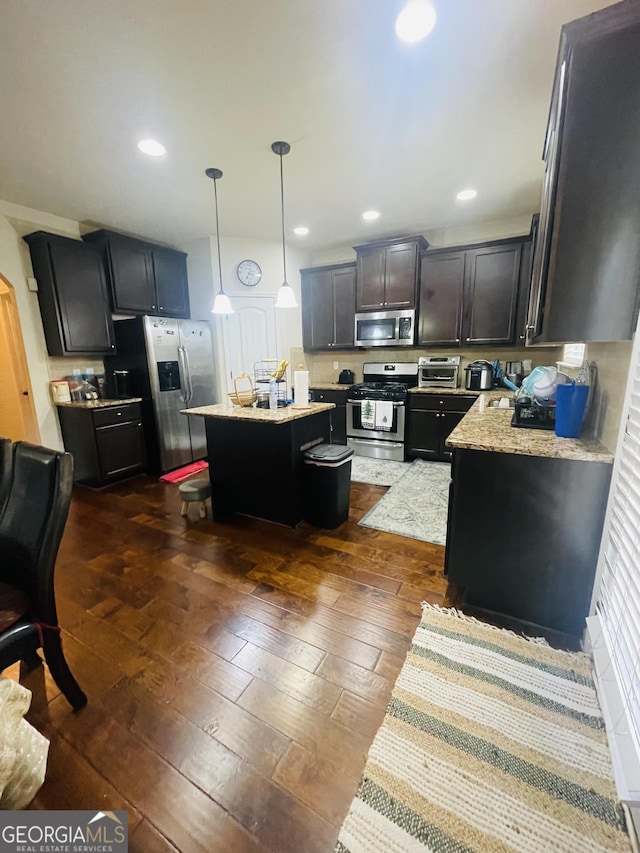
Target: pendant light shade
[(286, 298), (221, 304)]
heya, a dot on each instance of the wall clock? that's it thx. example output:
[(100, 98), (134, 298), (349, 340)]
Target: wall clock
[(249, 273)]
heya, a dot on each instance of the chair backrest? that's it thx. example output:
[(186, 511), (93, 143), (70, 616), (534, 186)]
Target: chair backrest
[(32, 523), (6, 470)]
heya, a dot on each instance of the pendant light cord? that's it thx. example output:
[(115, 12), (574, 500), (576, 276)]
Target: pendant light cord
[(284, 254), (215, 191)]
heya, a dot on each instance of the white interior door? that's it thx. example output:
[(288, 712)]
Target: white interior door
[(249, 335)]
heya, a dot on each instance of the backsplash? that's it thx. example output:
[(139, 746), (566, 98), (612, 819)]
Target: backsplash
[(612, 363), (321, 369)]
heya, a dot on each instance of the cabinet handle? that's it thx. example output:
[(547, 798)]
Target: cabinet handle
[(162, 308), (139, 425), (457, 340), (522, 337), (442, 402), (119, 414), (468, 339), (153, 307), (113, 346)]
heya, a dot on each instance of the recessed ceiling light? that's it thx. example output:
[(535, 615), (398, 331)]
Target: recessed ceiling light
[(416, 21), (152, 147), (370, 215), (301, 230), (466, 195)]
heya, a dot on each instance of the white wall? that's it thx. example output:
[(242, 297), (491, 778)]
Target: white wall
[(15, 266), (202, 264), (478, 232)]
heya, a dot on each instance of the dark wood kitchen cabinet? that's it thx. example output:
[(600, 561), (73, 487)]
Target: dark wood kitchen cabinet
[(338, 415), (523, 534), (387, 273), (144, 278), (432, 418), (587, 259), (469, 295), (73, 296), (107, 443), (328, 306)]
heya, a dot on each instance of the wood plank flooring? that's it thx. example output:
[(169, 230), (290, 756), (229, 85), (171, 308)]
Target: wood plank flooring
[(236, 672)]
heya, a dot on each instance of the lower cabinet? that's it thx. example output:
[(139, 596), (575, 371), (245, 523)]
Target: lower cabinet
[(338, 415), (432, 418), (107, 443), (523, 535)]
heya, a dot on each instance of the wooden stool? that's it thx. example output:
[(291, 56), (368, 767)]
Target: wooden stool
[(195, 490)]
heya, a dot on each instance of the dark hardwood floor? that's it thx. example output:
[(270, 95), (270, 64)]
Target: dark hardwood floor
[(236, 672)]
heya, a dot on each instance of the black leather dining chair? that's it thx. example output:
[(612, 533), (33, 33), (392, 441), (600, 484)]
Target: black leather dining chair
[(6, 469), (31, 527)]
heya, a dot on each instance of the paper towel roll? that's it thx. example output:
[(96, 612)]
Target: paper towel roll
[(301, 389)]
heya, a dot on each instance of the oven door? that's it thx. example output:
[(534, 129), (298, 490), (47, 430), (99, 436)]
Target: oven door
[(356, 430)]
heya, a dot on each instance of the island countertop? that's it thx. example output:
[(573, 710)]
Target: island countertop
[(249, 413), (491, 430)]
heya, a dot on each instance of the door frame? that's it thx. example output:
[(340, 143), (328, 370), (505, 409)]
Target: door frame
[(20, 389)]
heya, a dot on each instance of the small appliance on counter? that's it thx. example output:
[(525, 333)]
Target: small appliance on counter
[(479, 376), (438, 371), (347, 377), (531, 414), (513, 372)]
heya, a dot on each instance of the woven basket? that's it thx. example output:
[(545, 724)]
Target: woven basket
[(246, 396)]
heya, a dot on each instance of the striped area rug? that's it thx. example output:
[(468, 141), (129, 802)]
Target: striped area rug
[(490, 744)]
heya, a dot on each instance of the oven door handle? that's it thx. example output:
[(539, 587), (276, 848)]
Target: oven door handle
[(396, 403)]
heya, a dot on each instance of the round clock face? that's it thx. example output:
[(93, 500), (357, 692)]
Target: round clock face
[(249, 273)]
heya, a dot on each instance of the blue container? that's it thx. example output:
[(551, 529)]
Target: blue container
[(571, 402)]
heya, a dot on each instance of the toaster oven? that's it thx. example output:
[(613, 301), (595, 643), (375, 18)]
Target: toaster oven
[(438, 371)]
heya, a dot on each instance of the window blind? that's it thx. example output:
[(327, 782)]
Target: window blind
[(615, 630)]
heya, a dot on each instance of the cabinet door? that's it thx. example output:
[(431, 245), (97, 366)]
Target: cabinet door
[(370, 279), (448, 422), (81, 292), (400, 275), (491, 293), (131, 275), (120, 449), (423, 433), (344, 300), (441, 287), (318, 310), (172, 289), (339, 425)]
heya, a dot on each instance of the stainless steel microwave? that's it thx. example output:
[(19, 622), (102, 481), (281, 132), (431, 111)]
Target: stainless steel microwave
[(386, 328)]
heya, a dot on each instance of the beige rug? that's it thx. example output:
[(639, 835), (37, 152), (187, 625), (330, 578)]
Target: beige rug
[(491, 743)]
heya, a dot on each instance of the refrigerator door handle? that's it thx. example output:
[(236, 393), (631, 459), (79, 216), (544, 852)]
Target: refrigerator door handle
[(189, 382), (182, 367)]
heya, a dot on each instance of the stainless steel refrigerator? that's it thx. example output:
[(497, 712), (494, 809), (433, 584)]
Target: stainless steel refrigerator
[(170, 364)]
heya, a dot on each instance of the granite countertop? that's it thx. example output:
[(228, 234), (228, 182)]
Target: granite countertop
[(265, 416), (100, 404), (330, 386), (464, 391), (491, 430)]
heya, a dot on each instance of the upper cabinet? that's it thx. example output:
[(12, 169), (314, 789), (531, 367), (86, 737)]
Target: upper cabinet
[(469, 295), (387, 273), (587, 258), (73, 297), (328, 306), (144, 278)]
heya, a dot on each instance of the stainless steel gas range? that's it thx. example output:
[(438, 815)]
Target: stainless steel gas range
[(376, 409)]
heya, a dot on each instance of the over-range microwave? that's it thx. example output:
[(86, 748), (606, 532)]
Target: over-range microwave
[(385, 328)]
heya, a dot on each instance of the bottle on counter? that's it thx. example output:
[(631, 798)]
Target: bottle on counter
[(273, 394)]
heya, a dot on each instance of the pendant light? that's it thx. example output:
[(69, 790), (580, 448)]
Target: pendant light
[(286, 298), (221, 304)]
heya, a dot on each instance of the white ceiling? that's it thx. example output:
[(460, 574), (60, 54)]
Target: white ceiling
[(371, 122)]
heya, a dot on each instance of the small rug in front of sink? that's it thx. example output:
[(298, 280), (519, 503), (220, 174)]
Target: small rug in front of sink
[(416, 505), (377, 472)]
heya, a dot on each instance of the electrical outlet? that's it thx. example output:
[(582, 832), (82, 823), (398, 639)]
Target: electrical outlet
[(335, 365)]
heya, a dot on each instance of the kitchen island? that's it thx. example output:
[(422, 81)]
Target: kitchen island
[(526, 510), (256, 457)]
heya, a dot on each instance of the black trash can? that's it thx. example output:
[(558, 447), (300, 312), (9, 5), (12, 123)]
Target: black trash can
[(327, 485)]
